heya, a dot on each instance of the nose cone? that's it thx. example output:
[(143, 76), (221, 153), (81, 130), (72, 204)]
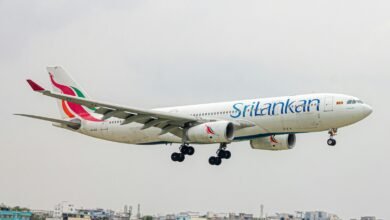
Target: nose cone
[(367, 110)]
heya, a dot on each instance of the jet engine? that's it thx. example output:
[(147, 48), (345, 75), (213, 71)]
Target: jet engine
[(211, 132), (274, 142), (77, 125)]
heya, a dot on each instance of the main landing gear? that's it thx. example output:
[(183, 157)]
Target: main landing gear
[(185, 149), (222, 153), (331, 141)]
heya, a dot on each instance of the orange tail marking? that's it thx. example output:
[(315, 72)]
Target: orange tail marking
[(66, 110)]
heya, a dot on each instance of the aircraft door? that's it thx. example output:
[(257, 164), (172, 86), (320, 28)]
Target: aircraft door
[(308, 120), (328, 104)]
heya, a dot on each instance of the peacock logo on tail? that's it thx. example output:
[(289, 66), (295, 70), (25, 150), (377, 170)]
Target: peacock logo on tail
[(73, 109)]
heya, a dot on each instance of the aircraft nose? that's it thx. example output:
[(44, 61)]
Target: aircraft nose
[(367, 110)]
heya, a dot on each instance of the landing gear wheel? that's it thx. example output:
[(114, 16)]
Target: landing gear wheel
[(331, 142), (332, 132), (224, 154), (177, 157), (183, 149), (228, 155), (181, 158), (218, 161), (190, 151), (212, 160), (215, 161), (187, 150), (221, 153)]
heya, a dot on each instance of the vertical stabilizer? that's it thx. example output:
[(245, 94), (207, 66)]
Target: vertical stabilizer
[(64, 84)]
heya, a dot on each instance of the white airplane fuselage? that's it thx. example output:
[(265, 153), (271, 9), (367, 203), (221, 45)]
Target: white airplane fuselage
[(269, 116)]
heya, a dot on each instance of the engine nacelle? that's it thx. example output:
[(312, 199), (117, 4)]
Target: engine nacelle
[(211, 132), (75, 127), (274, 142)]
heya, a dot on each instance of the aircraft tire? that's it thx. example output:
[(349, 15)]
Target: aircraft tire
[(175, 157), (212, 160), (181, 158), (331, 142), (218, 161), (190, 150), (228, 155)]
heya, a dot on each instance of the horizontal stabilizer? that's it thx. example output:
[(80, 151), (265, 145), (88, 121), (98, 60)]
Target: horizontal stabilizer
[(35, 86), (71, 124)]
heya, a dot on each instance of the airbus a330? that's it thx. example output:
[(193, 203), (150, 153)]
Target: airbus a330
[(267, 123)]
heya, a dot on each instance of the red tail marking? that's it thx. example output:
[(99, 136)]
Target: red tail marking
[(35, 86)]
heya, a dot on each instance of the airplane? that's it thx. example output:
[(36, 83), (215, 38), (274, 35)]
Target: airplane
[(267, 123)]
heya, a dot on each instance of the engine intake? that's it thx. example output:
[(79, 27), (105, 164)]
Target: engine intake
[(274, 142), (211, 132)]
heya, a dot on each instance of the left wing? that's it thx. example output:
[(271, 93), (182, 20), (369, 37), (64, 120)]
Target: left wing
[(168, 122)]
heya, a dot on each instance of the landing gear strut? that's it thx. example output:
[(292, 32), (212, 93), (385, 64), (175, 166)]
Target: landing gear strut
[(222, 153), (185, 149), (331, 141)]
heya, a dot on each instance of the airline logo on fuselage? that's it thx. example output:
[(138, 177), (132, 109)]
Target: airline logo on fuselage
[(209, 130), (257, 109)]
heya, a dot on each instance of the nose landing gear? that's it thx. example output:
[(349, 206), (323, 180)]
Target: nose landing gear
[(185, 149), (331, 141), (222, 153)]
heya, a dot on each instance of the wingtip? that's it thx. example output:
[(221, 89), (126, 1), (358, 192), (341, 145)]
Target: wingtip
[(35, 86)]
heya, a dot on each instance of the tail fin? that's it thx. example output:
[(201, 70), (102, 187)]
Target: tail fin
[(63, 83)]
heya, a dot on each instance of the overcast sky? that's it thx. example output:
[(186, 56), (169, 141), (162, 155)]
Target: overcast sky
[(162, 53)]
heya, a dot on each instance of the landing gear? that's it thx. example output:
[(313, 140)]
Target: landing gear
[(177, 157), (185, 149), (222, 153), (331, 141), (215, 161)]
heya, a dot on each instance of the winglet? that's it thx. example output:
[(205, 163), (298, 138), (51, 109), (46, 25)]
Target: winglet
[(35, 86)]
